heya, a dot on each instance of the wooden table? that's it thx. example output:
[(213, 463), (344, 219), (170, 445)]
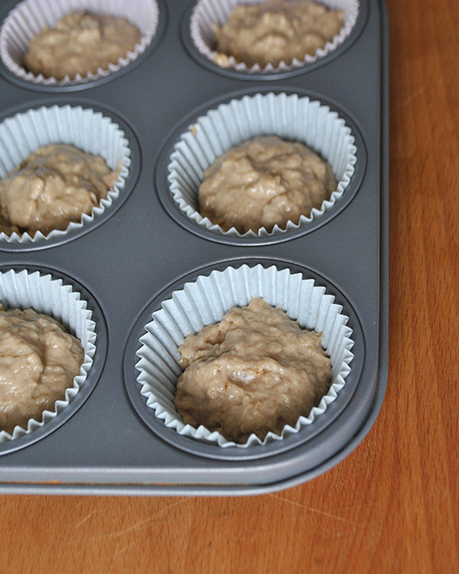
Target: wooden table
[(393, 505)]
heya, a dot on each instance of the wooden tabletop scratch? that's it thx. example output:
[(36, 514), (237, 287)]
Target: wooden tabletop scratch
[(310, 508)]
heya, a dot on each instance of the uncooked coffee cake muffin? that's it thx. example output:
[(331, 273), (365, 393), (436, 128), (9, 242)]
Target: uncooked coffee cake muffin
[(264, 182), (80, 43), (48, 338), (38, 362), (209, 362), (52, 187), (254, 372), (284, 305), (275, 31), (285, 160), (63, 43)]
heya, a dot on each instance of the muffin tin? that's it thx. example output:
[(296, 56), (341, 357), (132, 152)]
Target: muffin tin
[(144, 250)]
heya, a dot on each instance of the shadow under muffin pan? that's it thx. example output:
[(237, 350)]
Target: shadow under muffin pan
[(144, 252)]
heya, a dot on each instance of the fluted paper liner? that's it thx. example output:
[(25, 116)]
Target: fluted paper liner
[(205, 301), (30, 17), (209, 12), (288, 116), (86, 129), (52, 297)]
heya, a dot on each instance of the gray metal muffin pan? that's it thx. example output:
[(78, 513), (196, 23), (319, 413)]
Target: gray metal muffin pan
[(130, 259)]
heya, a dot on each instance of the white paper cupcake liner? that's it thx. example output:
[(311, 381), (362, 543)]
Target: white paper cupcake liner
[(206, 301), (24, 290), (30, 17), (208, 12), (290, 117), (86, 129)]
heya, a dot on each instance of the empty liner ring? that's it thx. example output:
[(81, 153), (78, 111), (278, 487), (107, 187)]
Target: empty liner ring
[(30, 17), (290, 117), (209, 12), (205, 302), (85, 129), (42, 293)]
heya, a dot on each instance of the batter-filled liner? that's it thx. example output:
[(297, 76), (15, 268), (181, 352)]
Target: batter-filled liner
[(206, 301), (24, 290), (85, 129), (30, 17), (293, 118), (208, 12)]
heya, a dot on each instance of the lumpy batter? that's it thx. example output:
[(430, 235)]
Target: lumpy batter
[(51, 188), (38, 361), (79, 44), (275, 31), (253, 372), (264, 182)]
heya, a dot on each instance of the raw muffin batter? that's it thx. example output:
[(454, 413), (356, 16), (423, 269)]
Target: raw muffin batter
[(79, 44), (52, 187), (275, 31), (253, 372), (38, 361), (264, 182)]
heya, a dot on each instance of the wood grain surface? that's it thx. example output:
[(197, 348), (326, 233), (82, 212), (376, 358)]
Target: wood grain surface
[(392, 506)]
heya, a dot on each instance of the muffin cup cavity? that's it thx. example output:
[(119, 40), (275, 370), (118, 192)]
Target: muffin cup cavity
[(30, 17), (85, 129), (209, 12), (205, 301), (52, 297), (290, 117)]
